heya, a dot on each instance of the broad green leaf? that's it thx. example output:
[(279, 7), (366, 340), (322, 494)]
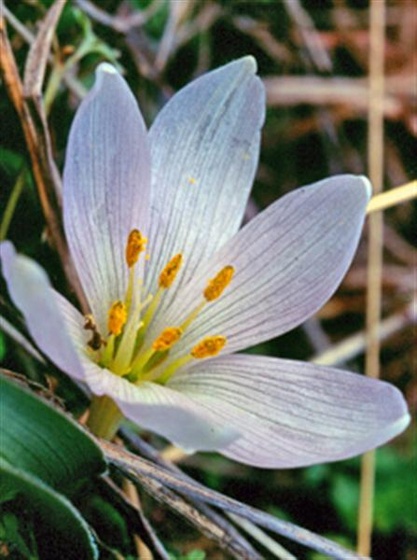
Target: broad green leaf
[(40, 440), (58, 526)]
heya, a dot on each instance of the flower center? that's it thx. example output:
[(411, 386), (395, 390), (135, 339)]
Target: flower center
[(127, 350)]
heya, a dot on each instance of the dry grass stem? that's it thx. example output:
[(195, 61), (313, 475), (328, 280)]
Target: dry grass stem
[(354, 345), (374, 291), (398, 195)]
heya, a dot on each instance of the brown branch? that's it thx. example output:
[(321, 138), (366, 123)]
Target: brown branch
[(135, 468), (213, 523), (134, 517), (198, 518), (27, 101)]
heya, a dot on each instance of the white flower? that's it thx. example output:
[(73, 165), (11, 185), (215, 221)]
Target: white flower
[(175, 290)]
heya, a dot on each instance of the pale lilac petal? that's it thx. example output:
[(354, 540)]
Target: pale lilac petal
[(74, 323), (33, 295), (288, 262), (292, 413), (161, 410), (205, 148), (106, 187)]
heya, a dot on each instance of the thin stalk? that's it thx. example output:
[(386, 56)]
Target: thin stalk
[(373, 308), (11, 204), (395, 196)]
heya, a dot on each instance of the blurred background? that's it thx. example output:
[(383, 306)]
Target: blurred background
[(314, 59)]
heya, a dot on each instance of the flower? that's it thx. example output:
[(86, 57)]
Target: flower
[(177, 290)]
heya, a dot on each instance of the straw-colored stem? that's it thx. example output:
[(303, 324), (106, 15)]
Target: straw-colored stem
[(373, 310), (11, 204), (395, 196), (130, 491)]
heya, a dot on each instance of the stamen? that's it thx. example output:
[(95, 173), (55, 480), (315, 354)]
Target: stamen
[(169, 273), (107, 354), (208, 347), (167, 339), (219, 283), (136, 244), (166, 279), (193, 315), (116, 318)]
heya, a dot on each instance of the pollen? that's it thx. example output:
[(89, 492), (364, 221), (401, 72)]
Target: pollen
[(136, 244), (169, 273), (208, 347), (216, 286), (167, 338), (117, 317)]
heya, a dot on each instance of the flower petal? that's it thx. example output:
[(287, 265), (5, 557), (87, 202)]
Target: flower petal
[(291, 413), (161, 410), (205, 148), (74, 324), (106, 187), (32, 294), (288, 261)]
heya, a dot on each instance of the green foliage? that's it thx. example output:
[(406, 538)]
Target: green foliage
[(43, 442), (10, 161), (395, 487), (192, 555), (2, 346), (109, 524), (18, 539), (43, 455), (396, 497), (54, 519), (155, 26), (395, 503)]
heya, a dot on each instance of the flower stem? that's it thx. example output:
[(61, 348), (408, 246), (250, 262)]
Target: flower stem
[(104, 418)]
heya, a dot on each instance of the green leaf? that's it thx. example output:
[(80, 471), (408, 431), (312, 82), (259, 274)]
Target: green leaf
[(11, 535), (41, 441), (2, 346), (394, 507), (10, 162), (395, 496), (58, 526)]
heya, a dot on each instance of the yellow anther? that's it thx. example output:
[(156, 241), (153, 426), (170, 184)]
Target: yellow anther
[(167, 338), (116, 318), (169, 273), (217, 285), (136, 244), (208, 347)]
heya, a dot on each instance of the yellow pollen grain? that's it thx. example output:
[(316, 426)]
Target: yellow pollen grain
[(167, 338), (219, 283), (208, 347), (169, 273), (117, 317), (136, 244)]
